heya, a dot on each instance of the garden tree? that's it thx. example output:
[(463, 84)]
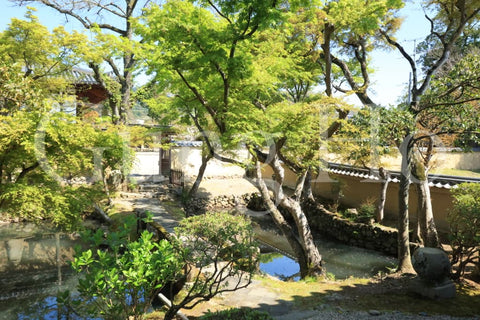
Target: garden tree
[(448, 24), (226, 63), (356, 47), (220, 255), (42, 152), (111, 22), (353, 29), (207, 256), (453, 110), (40, 55), (338, 36)]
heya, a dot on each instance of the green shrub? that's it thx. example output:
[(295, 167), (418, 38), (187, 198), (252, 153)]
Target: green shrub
[(464, 220), (120, 282), (214, 253)]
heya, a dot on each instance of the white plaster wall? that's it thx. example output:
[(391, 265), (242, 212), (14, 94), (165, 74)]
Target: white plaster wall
[(146, 163), (189, 159)]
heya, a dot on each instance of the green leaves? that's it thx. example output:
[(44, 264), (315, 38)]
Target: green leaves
[(464, 221), (40, 54), (124, 278), (371, 133), (214, 238), (39, 152)]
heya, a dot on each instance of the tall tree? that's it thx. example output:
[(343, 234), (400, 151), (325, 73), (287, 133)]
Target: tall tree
[(225, 62), (40, 55), (111, 22), (448, 24), (42, 150)]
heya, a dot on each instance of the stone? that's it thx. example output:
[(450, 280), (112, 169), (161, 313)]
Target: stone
[(433, 268), (374, 312), (431, 264), (435, 291)]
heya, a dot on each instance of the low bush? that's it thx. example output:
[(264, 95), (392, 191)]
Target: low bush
[(464, 220)]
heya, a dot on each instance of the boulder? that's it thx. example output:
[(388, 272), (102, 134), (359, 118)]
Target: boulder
[(433, 268)]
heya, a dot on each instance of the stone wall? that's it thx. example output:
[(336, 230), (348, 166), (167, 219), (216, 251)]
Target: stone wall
[(332, 225), (369, 236), (198, 206)]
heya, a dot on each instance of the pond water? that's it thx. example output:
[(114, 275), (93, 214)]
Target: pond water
[(34, 267), (340, 260)]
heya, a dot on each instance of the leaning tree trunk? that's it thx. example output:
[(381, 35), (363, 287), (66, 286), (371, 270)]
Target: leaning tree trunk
[(307, 193), (384, 175), (426, 223), (201, 172), (404, 257), (299, 238)]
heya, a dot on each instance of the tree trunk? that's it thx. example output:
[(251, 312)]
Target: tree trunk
[(307, 193), (312, 265), (301, 239), (426, 223), (404, 257), (201, 171), (384, 175)]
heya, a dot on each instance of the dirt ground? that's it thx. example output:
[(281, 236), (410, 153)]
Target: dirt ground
[(233, 186)]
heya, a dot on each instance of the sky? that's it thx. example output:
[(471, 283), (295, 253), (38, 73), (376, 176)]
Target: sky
[(389, 82)]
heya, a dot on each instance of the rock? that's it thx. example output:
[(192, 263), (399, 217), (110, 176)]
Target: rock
[(431, 264), (433, 269), (352, 212), (374, 312)]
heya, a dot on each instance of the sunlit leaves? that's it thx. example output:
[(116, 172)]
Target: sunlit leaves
[(123, 279), (41, 152), (39, 53), (369, 134)]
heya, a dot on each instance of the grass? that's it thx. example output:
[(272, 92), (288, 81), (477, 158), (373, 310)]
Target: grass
[(174, 209), (386, 294), (457, 172), (389, 294)]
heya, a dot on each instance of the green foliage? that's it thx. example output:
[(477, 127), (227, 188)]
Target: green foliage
[(43, 154), (214, 236), (452, 100), (120, 282), (236, 314), (367, 209), (355, 18), (371, 133), (40, 54), (140, 136), (464, 220), (17, 91), (215, 252)]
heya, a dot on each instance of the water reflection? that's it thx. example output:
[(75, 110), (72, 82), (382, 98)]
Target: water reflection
[(34, 267), (340, 260)]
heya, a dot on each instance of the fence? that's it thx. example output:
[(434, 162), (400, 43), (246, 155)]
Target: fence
[(177, 178)]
